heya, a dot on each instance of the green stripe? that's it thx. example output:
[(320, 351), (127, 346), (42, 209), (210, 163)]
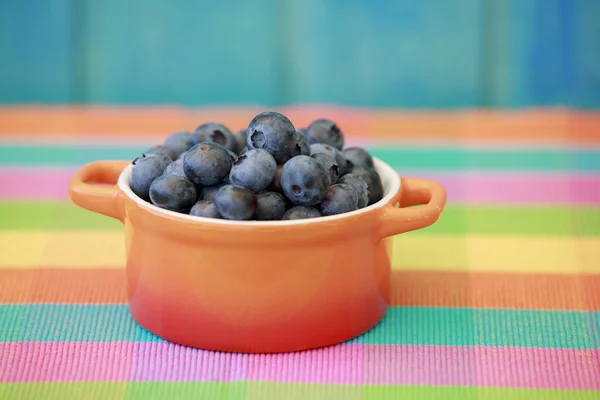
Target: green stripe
[(422, 326), (483, 327), (422, 158), (457, 219), (270, 391), (463, 159), (59, 155)]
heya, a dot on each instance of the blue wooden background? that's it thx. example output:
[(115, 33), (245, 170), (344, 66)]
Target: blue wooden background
[(384, 53)]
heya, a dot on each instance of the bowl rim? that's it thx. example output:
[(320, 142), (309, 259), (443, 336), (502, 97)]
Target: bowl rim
[(390, 180)]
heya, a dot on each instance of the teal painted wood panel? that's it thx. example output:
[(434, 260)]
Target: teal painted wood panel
[(544, 52), (397, 53), (36, 53), (186, 52), (586, 54), (387, 53)]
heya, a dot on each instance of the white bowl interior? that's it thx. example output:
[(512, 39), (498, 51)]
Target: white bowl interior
[(389, 179)]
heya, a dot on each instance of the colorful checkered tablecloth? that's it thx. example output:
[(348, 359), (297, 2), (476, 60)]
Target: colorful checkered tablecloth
[(498, 300)]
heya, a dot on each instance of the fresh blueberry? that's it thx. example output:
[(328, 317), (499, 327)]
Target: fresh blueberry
[(243, 150), (274, 133), (360, 187), (254, 170), (302, 147), (329, 164), (240, 141), (373, 181), (270, 206), (175, 168), (179, 143), (145, 170), (359, 157), (235, 202), (326, 132), (214, 132), (232, 154), (161, 149), (275, 185), (205, 208), (343, 164), (173, 193), (206, 164), (301, 212), (209, 192), (304, 181), (340, 199)]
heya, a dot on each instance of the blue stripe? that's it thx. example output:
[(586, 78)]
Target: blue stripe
[(421, 158), (402, 325)]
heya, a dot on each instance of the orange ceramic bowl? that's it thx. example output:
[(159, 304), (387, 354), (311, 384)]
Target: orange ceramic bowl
[(257, 286)]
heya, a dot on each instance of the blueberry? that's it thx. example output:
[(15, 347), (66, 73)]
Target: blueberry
[(302, 147), (236, 203), (301, 212), (270, 206), (359, 157), (179, 143), (232, 154), (326, 132), (340, 199), (243, 150), (360, 187), (175, 168), (206, 164), (173, 192), (240, 141), (343, 164), (274, 133), (329, 164), (275, 185), (145, 170), (205, 208), (161, 149), (373, 181), (214, 132), (254, 170), (304, 181), (209, 192)]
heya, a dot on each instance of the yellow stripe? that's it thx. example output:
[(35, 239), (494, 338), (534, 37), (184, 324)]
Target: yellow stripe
[(528, 254), (62, 249), (512, 254)]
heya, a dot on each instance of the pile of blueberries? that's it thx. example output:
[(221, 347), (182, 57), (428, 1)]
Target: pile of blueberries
[(270, 171)]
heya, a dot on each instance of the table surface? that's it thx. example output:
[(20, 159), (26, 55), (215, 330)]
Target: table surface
[(505, 306)]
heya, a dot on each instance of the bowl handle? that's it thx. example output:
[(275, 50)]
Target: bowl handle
[(413, 192), (86, 191)]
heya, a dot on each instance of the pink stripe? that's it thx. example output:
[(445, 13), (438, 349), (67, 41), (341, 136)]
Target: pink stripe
[(522, 188), (50, 183), (484, 367), (342, 364)]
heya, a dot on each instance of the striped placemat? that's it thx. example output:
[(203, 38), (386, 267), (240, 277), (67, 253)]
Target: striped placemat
[(505, 306)]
